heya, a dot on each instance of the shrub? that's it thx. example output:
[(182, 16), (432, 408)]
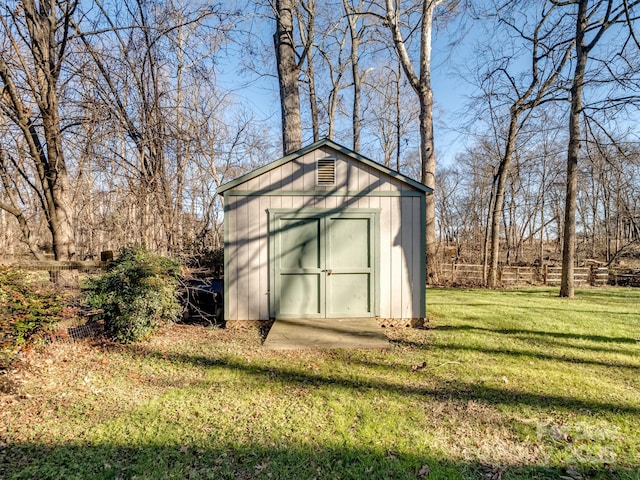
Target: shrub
[(25, 311), (137, 294)]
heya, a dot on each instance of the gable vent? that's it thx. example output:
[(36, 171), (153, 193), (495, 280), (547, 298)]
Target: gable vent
[(326, 172)]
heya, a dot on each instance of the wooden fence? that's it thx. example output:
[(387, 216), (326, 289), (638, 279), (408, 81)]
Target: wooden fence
[(624, 277), (55, 266), (451, 273), (51, 270), (511, 276)]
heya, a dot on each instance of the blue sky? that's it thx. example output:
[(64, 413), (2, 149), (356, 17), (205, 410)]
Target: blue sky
[(451, 92), (453, 69)]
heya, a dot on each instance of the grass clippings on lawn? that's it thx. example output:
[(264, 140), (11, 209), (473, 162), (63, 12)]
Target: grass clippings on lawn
[(502, 385)]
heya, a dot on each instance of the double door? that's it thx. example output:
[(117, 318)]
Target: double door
[(324, 263)]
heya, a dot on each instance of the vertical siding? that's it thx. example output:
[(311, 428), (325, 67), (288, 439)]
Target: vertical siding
[(308, 172), (263, 254), (248, 258), (227, 203), (254, 222), (419, 259), (395, 238), (292, 176), (406, 234), (253, 184), (275, 176), (365, 179), (271, 202), (400, 262), (387, 282), (351, 182), (342, 172), (231, 251), (240, 259)]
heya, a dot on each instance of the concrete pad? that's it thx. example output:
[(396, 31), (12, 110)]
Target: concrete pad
[(325, 333)]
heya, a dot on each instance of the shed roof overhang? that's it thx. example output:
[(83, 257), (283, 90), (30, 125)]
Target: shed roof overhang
[(325, 142)]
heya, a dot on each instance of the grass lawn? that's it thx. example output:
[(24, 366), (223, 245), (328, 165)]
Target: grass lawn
[(502, 385)]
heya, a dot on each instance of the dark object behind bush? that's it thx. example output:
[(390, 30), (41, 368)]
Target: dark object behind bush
[(137, 294), (204, 301)]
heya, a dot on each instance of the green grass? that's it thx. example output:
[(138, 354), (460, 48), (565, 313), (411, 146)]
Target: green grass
[(516, 385)]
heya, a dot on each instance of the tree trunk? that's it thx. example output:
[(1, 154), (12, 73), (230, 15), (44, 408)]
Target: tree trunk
[(288, 77), (45, 39), (428, 177), (422, 86), (60, 211), (487, 233), (398, 115), (498, 203), (569, 237), (427, 150)]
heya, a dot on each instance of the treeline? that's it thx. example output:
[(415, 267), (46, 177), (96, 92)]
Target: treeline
[(114, 131), (532, 220), (119, 119), (116, 127)]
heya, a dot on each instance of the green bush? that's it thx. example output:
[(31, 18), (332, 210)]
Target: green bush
[(137, 294), (26, 309)]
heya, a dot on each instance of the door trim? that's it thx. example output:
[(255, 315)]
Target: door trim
[(274, 214)]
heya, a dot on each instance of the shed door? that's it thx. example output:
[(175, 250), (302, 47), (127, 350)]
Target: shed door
[(324, 264)]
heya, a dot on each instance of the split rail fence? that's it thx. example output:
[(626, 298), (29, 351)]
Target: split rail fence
[(56, 266), (511, 276), (451, 273)]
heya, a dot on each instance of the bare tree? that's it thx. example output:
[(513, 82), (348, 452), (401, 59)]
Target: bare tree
[(394, 116), (306, 22), (420, 81), (358, 26), (333, 50), (591, 23), (609, 197), (146, 62), (548, 59), (31, 65)]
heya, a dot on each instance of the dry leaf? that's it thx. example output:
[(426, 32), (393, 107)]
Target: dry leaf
[(417, 368)]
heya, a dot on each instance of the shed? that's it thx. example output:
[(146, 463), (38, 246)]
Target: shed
[(324, 233)]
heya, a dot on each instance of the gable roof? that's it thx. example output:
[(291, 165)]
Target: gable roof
[(325, 142)]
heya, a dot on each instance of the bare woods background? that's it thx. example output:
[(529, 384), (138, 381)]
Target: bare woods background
[(119, 120)]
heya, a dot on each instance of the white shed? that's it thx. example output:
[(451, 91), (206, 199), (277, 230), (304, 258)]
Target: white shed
[(324, 233)]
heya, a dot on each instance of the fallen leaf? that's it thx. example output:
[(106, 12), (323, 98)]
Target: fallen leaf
[(417, 368), (492, 472), (424, 471)]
